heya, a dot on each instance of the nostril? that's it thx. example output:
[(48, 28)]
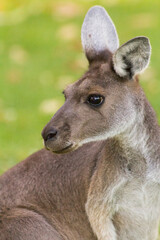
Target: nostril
[(50, 135)]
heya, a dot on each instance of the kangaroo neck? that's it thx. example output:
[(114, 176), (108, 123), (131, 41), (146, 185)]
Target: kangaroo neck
[(143, 136)]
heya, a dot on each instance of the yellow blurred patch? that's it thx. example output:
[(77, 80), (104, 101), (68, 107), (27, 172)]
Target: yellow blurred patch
[(50, 106), (8, 115), (68, 32), (149, 74), (66, 9), (63, 81), (18, 54), (14, 76)]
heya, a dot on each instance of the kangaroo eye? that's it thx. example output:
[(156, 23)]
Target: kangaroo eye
[(95, 99)]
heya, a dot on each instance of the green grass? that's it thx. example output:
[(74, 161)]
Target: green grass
[(37, 60)]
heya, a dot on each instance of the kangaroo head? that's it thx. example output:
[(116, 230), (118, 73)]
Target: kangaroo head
[(107, 99)]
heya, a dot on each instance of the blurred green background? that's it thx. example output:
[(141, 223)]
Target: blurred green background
[(40, 53)]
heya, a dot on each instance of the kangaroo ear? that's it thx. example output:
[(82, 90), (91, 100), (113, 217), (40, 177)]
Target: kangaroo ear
[(132, 57), (98, 33)]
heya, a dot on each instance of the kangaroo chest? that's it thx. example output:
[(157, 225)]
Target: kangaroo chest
[(128, 207), (136, 201), (137, 210)]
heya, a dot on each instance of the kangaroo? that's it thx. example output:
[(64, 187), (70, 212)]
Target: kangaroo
[(99, 176)]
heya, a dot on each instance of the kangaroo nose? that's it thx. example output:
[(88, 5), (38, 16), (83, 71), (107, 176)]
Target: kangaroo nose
[(49, 135)]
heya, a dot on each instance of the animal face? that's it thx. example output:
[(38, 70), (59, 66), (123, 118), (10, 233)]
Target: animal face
[(106, 100)]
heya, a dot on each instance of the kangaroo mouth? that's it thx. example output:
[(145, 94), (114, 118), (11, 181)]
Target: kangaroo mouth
[(64, 150)]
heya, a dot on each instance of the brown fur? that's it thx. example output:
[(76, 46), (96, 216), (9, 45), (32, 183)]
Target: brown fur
[(107, 189), (48, 191), (44, 196)]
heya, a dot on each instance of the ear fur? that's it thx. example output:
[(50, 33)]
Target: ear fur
[(98, 33), (132, 57)]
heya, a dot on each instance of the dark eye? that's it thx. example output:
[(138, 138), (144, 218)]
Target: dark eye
[(95, 99)]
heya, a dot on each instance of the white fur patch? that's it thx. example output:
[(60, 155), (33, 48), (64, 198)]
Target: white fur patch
[(98, 32)]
